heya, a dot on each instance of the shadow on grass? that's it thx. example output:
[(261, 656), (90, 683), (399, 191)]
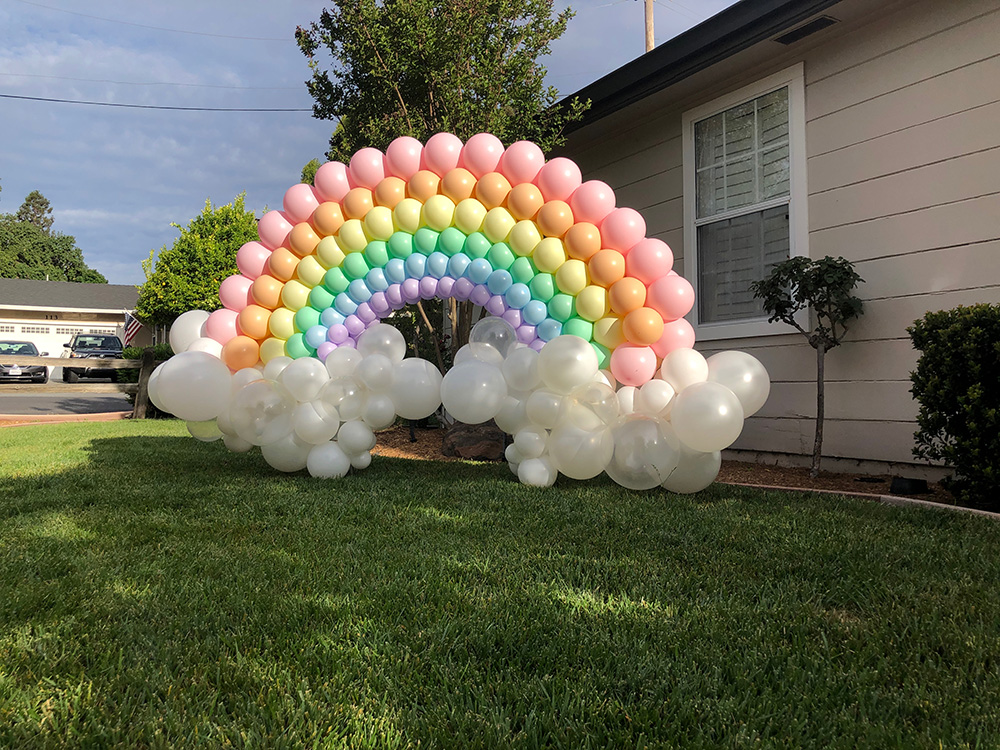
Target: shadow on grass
[(166, 588)]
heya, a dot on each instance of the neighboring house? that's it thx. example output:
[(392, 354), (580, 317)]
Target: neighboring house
[(48, 313), (861, 128)]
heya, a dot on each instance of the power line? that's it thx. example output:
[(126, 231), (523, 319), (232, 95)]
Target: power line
[(156, 83), (154, 106), (160, 28)]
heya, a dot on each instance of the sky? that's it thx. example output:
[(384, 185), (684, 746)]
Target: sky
[(117, 178)]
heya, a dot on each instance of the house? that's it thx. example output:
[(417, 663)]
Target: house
[(868, 129), (48, 313)]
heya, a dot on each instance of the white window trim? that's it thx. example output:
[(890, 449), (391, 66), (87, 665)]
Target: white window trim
[(798, 219)]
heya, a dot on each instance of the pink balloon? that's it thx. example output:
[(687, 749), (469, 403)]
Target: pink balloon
[(367, 168), (481, 154), (558, 178), (332, 182), (221, 325), (633, 365), (442, 152), (273, 229), (234, 292), (648, 260), (672, 296), (622, 228), (251, 259), (521, 162), (300, 202), (592, 201), (677, 334), (402, 158)]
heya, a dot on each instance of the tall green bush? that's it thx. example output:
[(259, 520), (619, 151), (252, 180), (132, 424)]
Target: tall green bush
[(957, 384)]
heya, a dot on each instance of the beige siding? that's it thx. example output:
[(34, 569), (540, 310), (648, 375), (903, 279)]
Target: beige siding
[(903, 144)]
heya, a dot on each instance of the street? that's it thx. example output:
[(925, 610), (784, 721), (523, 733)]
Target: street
[(55, 397)]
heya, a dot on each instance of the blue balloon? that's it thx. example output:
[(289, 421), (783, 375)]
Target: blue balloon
[(344, 304), (437, 264), (518, 296), (376, 280), (499, 281), (457, 265), (416, 266), (548, 329), (478, 271), (534, 312), (395, 271), (358, 291), (330, 317), (316, 336)]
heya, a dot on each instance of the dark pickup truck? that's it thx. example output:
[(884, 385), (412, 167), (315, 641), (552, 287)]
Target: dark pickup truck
[(93, 347)]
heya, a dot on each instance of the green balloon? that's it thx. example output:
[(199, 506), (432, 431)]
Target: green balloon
[(355, 267), (561, 307), (296, 347), (320, 298), (542, 287), (425, 240), (603, 354), (336, 281), (523, 270), (401, 245), (579, 327), (377, 254), (477, 245), (500, 256), (451, 241), (306, 318)]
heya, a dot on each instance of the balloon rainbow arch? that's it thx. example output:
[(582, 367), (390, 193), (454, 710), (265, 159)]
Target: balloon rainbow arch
[(586, 358)]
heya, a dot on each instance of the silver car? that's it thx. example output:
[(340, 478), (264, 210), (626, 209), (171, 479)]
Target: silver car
[(34, 373)]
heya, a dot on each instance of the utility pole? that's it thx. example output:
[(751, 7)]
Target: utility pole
[(649, 25)]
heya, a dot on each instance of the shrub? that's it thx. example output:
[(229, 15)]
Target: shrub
[(956, 385)]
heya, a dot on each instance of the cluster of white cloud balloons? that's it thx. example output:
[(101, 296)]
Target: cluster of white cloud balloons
[(564, 414)]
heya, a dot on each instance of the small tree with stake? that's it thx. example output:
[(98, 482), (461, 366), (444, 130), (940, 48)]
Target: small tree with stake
[(825, 288)]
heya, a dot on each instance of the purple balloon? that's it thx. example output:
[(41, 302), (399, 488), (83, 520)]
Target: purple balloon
[(513, 317), (366, 314), (463, 288), (355, 325), (324, 350), (537, 345), (394, 296), (379, 304), (411, 291), (480, 295), (446, 285), (338, 333), (496, 305), (526, 334), (428, 287), (349, 344)]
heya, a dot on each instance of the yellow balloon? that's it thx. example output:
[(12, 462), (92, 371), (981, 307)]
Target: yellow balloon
[(272, 348), (281, 323), (498, 224), (329, 253), (378, 223), (571, 277), (310, 271), (470, 215), (592, 303), (524, 237), (438, 213), (294, 295), (352, 237), (406, 215), (549, 254), (608, 332)]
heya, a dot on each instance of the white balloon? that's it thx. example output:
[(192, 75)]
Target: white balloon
[(646, 451), (695, 472), (274, 368), (605, 376), (186, 329), (531, 441), (207, 345), (496, 333), (287, 454), (304, 378), (342, 361), (520, 369), (328, 461), (707, 417), (261, 412), (379, 411), (626, 399), (383, 339), (245, 376), (206, 432), (375, 372), (512, 415), (566, 362), (654, 397), (361, 461), (580, 453), (473, 391), (478, 351), (416, 388), (315, 422), (513, 455), (537, 472), (153, 386), (237, 444), (355, 437), (744, 375), (684, 367), (543, 407), (193, 386), (591, 406), (346, 396)]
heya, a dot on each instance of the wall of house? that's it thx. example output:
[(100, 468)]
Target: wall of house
[(902, 106)]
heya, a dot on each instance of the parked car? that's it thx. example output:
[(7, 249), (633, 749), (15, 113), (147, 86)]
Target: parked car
[(94, 347), (34, 373)]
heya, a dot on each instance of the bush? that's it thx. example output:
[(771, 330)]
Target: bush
[(160, 353), (956, 385)]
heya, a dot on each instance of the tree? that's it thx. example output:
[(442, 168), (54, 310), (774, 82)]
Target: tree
[(823, 287), (27, 252), (309, 171), (187, 276), (36, 210), (419, 67)]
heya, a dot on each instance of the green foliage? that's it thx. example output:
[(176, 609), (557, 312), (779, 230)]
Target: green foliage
[(28, 252), (419, 67), (187, 276), (309, 171), (36, 210), (161, 353), (956, 385)]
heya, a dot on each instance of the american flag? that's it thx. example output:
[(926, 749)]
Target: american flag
[(130, 329)]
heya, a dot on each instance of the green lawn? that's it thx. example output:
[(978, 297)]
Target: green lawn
[(160, 592)]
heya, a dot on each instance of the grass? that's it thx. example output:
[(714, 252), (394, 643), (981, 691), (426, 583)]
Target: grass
[(160, 592)]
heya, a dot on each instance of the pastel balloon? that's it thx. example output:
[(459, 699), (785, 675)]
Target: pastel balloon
[(633, 365), (583, 240), (282, 323), (521, 162), (498, 224), (524, 238), (250, 259), (592, 303), (390, 191), (273, 228), (627, 294), (331, 181), (240, 352), (549, 254), (558, 179), (744, 375), (358, 202), (607, 267), (402, 158), (555, 218), (423, 185), (438, 212), (367, 167), (492, 190), (707, 417), (649, 260), (592, 201), (406, 215), (672, 296), (221, 325), (642, 326), (470, 215), (185, 329), (481, 154), (378, 223), (327, 218), (458, 184), (622, 228), (441, 153), (234, 292), (524, 201), (572, 277), (299, 202), (282, 263), (677, 334)]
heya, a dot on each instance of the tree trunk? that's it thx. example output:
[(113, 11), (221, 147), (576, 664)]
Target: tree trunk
[(820, 406)]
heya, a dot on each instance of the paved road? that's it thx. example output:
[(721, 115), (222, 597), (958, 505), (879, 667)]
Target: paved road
[(52, 399)]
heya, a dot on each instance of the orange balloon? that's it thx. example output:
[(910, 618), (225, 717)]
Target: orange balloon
[(606, 267), (252, 322), (303, 239), (390, 191), (524, 201), (458, 184), (626, 295), (583, 240), (282, 263), (423, 185), (555, 219), (492, 189), (357, 202), (327, 218), (240, 352), (266, 291), (643, 326)]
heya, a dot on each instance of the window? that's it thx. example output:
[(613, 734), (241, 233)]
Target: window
[(34, 329), (744, 199), (6, 329), (68, 331)]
